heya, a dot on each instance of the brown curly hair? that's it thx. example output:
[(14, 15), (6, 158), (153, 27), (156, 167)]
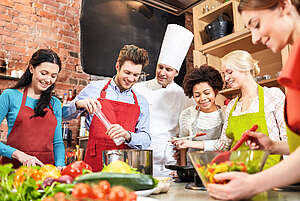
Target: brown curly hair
[(205, 73)]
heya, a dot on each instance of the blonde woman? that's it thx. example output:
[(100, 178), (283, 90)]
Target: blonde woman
[(255, 105)]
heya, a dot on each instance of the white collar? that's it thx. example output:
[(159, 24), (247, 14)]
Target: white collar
[(153, 84)]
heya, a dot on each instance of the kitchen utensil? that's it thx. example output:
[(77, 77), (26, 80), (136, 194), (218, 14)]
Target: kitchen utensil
[(253, 160), (188, 137), (142, 160), (224, 156), (185, 173), (107, 124), (220, 27)]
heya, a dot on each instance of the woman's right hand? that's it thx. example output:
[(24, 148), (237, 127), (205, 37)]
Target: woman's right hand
[(259, 141), (91, 105), (25, 159), (181, 144)]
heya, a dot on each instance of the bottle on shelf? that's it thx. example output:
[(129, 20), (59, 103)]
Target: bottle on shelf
[(70, 95), (65, 130), (74, 93), (65, 99), (4, 66), (82, 129)]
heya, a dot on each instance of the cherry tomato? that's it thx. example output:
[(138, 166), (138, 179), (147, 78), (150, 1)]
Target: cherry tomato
[(81, 190), (105, 187), (132, 196), (118, 193), (60, 196), (99, 194)]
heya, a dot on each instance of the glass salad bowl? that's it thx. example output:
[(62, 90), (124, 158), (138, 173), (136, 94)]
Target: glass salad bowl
[(250, 161)]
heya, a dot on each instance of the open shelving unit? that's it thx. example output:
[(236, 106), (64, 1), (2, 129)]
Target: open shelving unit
[(210, 52)]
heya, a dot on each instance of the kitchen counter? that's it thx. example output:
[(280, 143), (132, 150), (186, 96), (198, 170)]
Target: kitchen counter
[(178, 192)]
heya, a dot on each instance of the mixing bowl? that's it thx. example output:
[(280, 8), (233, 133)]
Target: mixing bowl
[(250, 161)]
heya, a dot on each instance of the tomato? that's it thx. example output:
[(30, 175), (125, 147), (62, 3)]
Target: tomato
[(99, 194), (132, 196), (118, 193), (105, 187), (81, 190), (76, 168), (60, 196)]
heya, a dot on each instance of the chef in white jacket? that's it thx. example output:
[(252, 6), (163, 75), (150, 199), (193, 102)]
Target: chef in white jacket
[(166, 98)]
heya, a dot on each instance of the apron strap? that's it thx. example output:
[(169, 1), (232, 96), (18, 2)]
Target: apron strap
[(24, 97), (261, 98), (103, 91)]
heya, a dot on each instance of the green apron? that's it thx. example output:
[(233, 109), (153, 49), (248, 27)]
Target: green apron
[(293, 138), (237, 125)]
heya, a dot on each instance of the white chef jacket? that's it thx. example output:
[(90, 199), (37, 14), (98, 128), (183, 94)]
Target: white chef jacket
[(165, 105)]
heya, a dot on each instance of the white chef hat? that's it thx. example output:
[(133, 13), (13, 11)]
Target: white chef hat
[(175, 46)]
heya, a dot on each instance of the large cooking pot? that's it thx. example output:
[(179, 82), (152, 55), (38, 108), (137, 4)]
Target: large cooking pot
[(142, 160)]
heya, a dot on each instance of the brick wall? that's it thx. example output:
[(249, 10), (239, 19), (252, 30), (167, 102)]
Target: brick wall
[(27, 25)]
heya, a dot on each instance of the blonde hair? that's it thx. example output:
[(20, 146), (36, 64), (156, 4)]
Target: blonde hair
[(241, 60)]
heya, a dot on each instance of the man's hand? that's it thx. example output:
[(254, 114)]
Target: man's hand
[(91, 105), (26, 159), (116, 131)]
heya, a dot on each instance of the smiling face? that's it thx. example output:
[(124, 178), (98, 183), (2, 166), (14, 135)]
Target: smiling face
[(127, 75), (165, 74), (43, 76), (233, 78), (271, 27), (204, 96)]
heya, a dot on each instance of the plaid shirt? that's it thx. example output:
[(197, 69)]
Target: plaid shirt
[(273, 106)]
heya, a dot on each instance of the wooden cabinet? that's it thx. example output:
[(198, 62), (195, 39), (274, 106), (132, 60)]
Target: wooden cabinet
[(240, 39)]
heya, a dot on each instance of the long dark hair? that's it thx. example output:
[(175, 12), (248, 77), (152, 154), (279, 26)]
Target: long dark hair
[(40, 56)]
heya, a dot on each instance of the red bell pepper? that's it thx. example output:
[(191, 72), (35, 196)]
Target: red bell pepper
[(76, 168)]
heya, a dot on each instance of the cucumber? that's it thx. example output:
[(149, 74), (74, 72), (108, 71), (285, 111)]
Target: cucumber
[(134, 182)]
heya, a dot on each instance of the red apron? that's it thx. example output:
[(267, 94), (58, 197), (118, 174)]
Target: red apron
[(34, 136), (125, 114)]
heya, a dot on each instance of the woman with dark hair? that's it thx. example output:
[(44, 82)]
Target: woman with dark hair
[(259, 16), (33, 115), (203, 85)]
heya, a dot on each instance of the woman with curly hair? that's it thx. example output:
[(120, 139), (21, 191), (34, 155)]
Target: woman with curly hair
[(203, 85)]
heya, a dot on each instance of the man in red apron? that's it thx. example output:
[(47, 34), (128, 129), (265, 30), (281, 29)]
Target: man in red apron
[(127, 111)]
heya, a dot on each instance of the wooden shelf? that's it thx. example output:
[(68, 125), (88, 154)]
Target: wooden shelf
[(238, 40), (5, 77), (213, 14), (265, 83)]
